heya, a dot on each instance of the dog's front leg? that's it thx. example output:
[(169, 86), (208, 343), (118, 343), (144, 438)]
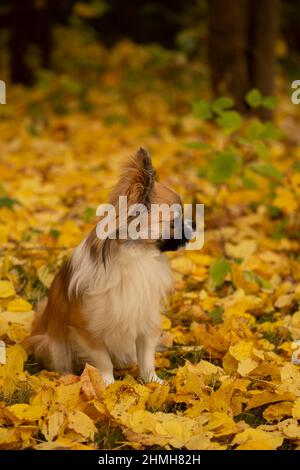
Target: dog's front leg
[(145, 348), (101, 359)]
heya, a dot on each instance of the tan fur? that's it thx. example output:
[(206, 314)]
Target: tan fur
[(136, 180)]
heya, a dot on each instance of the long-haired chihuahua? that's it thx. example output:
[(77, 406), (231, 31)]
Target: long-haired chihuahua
[(104, 304)]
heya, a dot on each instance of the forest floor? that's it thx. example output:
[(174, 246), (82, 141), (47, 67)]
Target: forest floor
[(229, 351)]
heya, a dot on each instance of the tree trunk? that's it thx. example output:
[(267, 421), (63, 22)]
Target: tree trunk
[(227, 49), (21, 28), (31, 23), (242, 39), (263, 30)]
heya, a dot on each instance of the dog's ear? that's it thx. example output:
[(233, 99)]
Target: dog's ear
[(136, 181)]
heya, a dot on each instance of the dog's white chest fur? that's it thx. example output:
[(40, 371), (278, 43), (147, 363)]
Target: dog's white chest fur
[(123, 302)]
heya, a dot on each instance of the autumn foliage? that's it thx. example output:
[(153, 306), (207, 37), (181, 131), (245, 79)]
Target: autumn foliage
[(228, 351)]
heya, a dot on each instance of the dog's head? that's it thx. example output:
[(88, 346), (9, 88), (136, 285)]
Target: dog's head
[(154, 212)]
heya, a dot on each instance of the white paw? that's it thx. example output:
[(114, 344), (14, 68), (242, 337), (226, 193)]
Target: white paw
[(152, 377), (157, 380), (108, 380)]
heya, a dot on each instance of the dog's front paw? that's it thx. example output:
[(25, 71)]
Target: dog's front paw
[(108, 380), (157, 379), (152, 377)]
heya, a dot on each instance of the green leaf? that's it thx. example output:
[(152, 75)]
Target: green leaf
[(261, 149), (254, 98), (218, 271), (269, 102), (55, 233), (89, 213), (255, 130), (249, 183), (216, 315), (264, 283), (197, 145), (71, 86), (268, 171), (273, 211), (8, 202), (229, 120), (201, 110), (44, 79), (259, 130), (250, 276), (222, 103), (203, 171), (270, 131), (224, 165), (280, 230)]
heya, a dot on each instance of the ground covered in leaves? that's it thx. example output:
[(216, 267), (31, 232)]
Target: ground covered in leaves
[(228, 352)]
